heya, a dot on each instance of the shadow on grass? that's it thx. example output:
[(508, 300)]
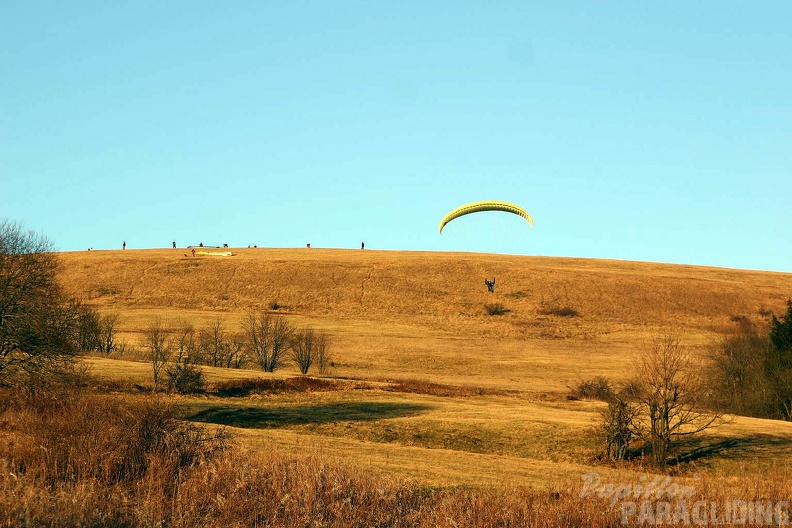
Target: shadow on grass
[(264, 417), (730, 448)]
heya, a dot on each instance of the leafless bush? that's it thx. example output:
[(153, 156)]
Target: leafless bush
[(596, 388), (185, 378), (496, 309), (560, 311)]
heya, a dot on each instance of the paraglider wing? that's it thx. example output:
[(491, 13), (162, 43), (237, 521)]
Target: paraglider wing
[(487, 205)]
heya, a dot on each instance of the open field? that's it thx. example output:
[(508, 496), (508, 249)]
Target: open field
[(502, 416)]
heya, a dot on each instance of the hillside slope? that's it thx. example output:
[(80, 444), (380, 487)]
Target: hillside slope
[(443, 291), (423, 314)]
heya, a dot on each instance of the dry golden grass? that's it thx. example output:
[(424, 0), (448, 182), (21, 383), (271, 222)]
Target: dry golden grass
[(421, 316), (72, 457)]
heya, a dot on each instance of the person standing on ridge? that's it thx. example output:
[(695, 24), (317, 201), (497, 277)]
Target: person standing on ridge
[(123, 246)]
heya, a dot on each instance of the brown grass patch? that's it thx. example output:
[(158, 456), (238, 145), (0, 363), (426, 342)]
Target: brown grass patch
[(416, 386), (246, 387)]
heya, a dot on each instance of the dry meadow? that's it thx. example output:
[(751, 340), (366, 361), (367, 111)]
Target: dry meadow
[(426, 387)]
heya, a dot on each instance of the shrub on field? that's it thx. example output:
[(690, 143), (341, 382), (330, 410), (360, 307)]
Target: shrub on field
[(596, 388), (560, 311), (496, 309), (185, 378)]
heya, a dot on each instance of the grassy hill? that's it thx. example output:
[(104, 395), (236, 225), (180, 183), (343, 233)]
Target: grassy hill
[(422, 317), (425, 312)]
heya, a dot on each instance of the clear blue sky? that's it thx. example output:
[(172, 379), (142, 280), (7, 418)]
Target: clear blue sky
[(654, 131)]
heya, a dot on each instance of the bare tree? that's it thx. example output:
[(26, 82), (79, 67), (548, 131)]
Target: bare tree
[(670, 396), (618, 426), (186, 348), (215, 345), (236, 357), (751, 369), (88, 330), (158, 344), (267, 339), (184, 376), (303, 349), (309, 347), (39, 325), (744, 375), (107, 332), (781, 337), (323, 356), (220, 348), (211, 343)]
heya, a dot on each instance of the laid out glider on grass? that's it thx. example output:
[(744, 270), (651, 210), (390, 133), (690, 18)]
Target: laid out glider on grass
[(214, 253), (486, 205)]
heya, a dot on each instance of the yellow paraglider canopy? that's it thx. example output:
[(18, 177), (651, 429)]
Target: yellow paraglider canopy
[(486, 205)]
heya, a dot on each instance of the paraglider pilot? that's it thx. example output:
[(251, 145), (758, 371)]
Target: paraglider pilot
[(490, 285)]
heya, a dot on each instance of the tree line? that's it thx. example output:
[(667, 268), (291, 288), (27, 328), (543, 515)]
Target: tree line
[(42, 329), (265, 341)]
